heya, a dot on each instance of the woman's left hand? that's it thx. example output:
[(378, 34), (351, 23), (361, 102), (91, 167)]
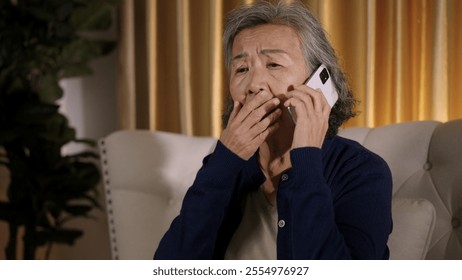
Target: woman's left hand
[(312, 111)]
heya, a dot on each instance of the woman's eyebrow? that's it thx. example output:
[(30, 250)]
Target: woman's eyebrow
[(271, 51), (240, 56), (263, 51)]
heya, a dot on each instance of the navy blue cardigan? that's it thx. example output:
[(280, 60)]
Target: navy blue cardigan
[(335, 202)]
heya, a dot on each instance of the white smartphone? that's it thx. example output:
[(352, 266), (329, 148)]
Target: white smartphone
[(320, 79)]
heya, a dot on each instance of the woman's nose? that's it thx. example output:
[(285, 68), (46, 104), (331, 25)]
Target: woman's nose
[(257, 82)]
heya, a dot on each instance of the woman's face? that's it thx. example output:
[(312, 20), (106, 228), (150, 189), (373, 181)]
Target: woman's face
[(266, 58)]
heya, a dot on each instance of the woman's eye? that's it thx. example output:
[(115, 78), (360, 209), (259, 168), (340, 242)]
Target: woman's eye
[(241, 70), (273, 65)]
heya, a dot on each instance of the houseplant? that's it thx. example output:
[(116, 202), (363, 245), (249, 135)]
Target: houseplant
[(43, 42)]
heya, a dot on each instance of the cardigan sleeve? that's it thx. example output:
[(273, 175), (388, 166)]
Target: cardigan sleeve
[(207, 210), (334, 209)]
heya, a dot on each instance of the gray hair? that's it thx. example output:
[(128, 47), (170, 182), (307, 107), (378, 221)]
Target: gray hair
[(315, 47)]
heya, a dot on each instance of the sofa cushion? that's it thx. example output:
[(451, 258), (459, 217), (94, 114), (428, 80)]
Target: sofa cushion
[(413, 225)]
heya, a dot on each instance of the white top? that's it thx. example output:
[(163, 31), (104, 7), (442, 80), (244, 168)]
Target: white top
[(255, 237)]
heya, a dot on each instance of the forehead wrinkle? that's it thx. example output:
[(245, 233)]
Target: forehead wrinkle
[(239, 56), (263, 51), (272, 51)]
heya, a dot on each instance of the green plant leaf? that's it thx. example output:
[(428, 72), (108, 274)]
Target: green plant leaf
[(14, 85), (76, 55), (73, 70), (56, 130), (95, 15), (49, 89)]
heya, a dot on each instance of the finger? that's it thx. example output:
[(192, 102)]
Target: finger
[(297, 107), (266, 108), (305, 111), (265, 128), (318, 99), (236, 108), (244, 142), (251, 104), (320, 104), (265, 122), (313, 101), (239, 138), (300, 98), (266, 133), (255, 116)]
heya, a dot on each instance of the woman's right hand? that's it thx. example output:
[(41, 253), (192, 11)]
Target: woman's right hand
[(251, 123)]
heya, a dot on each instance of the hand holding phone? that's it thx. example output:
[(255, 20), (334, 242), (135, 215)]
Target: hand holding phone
[(321, 79)]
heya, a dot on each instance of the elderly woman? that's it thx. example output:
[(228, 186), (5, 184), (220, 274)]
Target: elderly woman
[(274, 188)]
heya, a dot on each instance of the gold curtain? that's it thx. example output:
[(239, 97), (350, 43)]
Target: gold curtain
[(403, 59)]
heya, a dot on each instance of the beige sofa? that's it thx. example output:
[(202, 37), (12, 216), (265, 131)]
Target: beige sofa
[(147, 173)]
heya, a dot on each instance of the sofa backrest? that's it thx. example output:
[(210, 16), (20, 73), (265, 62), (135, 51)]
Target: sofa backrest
[(146, 175), (425, 158)]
